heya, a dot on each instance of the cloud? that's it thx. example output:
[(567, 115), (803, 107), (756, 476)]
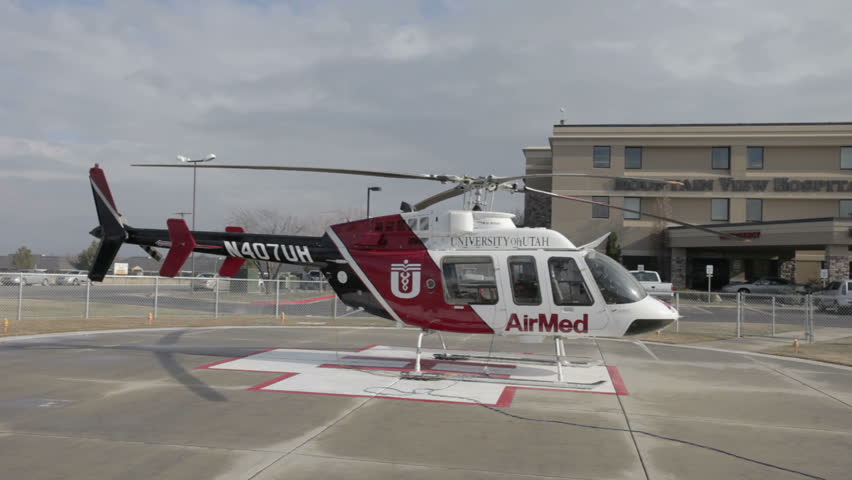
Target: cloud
[(445, 87)]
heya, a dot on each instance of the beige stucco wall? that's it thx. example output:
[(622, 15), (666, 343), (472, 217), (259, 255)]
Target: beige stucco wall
[(801, 159), (779, 209)]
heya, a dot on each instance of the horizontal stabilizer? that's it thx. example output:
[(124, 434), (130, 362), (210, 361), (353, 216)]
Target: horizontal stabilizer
[(232, 265), (183, 243)]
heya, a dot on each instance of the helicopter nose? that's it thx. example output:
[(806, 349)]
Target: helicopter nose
[(655, 315)]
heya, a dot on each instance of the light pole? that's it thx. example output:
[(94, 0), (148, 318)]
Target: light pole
[(181, 158), (371, 189)]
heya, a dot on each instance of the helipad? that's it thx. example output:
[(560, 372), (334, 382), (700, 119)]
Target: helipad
[(374, 372)]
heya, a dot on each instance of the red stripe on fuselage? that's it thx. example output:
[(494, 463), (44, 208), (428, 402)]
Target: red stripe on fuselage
[(377, 245)]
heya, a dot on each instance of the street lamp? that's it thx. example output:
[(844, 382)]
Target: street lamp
[(195, 162), (371, 189)]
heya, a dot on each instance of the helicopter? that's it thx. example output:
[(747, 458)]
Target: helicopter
[(466, 271)]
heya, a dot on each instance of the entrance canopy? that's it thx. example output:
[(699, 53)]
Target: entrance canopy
[(808, 233)]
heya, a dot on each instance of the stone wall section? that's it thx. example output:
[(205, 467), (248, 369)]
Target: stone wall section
[(678, 267), (838, 268), (787, 271)]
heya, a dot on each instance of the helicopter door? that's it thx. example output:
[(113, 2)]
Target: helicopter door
[(524, 298), (571, 297), (472, 280)]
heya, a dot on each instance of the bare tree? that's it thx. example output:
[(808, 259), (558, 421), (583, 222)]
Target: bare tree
[(272, 222), (519, 217), (269, 222)]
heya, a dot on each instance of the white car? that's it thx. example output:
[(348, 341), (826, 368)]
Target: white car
[(29, 277), (205, 281), (74, 277), (837, 297), (650, 280)]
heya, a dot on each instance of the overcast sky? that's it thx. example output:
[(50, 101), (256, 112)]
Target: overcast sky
[(411, 86)]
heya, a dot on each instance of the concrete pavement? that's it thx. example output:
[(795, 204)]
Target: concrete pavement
[(134, 405)]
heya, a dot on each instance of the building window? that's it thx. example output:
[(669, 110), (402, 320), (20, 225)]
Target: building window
[(755, 158), (754, 210), (632, 158), (601, 157), (524, 278), (719, 209), (469, 281), (846, 208), (633, 203), (721, 157), (600, 211), (845, 157)]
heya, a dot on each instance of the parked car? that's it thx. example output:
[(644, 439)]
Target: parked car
[(652, 283), (74, 277), (30, 277), (836, 297), (205, 281), (767, 285)]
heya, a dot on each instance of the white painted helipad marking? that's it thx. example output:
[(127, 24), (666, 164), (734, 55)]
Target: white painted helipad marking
[(374, 372)]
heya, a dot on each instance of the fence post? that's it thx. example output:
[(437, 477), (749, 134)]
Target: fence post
[(216, 308), (810, 318), (773, 315), (156, 295), (677, 307), (88, 296), (277, 296), (20, 296), (739, 314)]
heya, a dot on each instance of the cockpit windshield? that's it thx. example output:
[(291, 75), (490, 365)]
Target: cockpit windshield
[(616, 284)]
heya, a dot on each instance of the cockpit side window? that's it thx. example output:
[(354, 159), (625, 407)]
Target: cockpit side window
[(469, 281), (524, 278), (567, 282)]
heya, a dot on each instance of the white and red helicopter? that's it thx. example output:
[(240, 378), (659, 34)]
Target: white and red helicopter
[(468, 271)]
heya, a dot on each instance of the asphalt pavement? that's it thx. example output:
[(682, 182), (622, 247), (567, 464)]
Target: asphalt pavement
[(134, 404)]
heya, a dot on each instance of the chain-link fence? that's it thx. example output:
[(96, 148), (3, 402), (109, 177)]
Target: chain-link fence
[(809, 318), (66, 302), (69, 302), (710, 315)]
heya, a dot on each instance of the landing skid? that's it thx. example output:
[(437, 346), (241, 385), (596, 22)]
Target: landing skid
[(559, 362), (430, 376), (579, 362)]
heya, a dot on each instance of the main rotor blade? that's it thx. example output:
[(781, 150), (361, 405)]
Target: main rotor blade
[(440, 197), (685, 224), (343, 171), (586, 175)]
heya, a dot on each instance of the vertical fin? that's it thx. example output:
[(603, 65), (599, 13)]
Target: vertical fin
[(183, 243), (111, 231), (232, 265)]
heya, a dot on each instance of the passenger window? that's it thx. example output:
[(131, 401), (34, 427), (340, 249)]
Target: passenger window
[(567, 283), (424, 223), (469, 281), (412, 223), (524, 278)]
